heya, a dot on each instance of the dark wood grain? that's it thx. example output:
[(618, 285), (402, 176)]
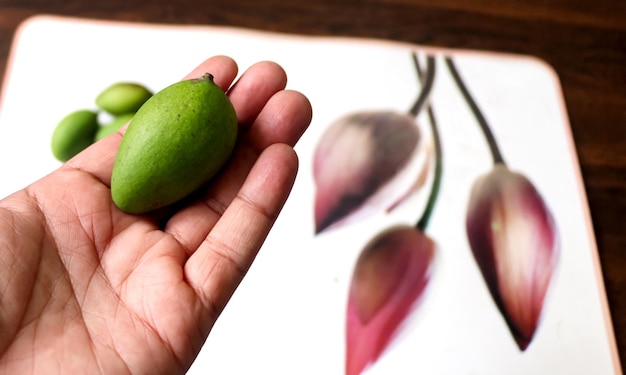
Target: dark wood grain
[(584, 41)]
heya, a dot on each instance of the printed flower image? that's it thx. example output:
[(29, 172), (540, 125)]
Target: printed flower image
[(389, 278), (512, 235), (391, 274), (368, 162), (371, 161), (357, 157)]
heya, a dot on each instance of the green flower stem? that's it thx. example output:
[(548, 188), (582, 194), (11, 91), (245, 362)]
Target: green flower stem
[(427, 84), (482, 122), (436, 186)]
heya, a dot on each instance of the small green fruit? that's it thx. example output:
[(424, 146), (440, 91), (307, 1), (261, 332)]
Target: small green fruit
[(113, 126), (74, 133), (123, 97), (177, 141)]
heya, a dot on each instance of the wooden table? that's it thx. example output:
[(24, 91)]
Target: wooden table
[(585, 41)]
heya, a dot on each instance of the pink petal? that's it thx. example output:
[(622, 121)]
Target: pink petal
[(389, 277), (514, 241), (356, 157)]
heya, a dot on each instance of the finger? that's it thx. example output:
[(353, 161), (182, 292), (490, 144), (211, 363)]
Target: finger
[(283, 120), (223, 258), (98, 159), (254, 88)]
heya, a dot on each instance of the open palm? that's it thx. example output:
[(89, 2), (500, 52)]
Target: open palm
[(86, 288)]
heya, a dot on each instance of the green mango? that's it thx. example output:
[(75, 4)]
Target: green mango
[(113, 126), (177, 141), (74, 133), (123, 97)]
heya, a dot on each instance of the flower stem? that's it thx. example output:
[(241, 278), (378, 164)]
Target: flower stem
[(427, 84), (436, 186), (482, 122)]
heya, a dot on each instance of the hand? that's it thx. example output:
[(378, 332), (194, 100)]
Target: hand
[(86, 288)]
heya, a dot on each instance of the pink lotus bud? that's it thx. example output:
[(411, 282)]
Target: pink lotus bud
[(364, 163), (389, 277), (514, 241)]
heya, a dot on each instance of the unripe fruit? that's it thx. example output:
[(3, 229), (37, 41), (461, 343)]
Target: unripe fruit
[(113, 126), (74, 133), (177, 141), (123, 97)]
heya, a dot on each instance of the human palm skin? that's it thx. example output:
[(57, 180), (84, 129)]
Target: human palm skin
[(87, 288)]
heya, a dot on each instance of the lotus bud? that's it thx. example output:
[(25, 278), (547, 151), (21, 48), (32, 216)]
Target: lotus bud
[(514, 241), (389, 277), (364, 163)]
